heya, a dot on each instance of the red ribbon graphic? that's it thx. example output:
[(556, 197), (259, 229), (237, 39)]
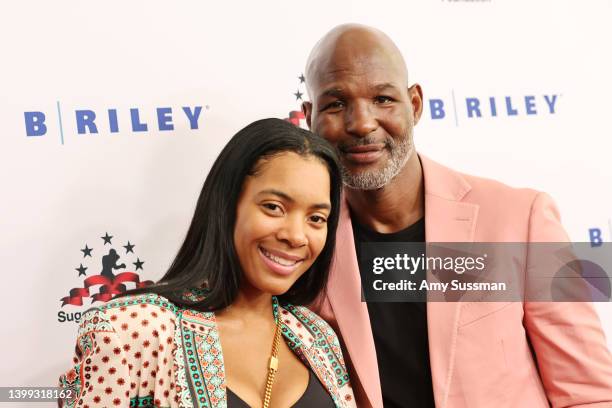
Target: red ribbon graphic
[(294, 117), (109, 287)]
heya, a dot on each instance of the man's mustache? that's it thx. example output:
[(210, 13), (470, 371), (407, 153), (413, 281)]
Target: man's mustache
[(343, 147)]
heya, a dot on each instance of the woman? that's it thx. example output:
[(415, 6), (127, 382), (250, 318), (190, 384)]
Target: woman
[(210, 332)]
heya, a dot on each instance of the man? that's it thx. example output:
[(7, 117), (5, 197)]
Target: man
[(451, 355)]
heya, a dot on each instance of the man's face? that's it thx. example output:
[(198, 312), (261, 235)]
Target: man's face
[(361, 104)]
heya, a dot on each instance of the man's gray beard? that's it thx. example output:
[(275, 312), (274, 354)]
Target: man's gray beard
[(373, 180)]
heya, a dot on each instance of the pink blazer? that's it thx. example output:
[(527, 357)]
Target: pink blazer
[(480, 353)]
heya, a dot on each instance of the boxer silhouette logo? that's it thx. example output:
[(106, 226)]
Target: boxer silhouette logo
[(113, 278)]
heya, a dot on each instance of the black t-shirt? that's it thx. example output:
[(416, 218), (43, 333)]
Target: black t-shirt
[(400, 334)]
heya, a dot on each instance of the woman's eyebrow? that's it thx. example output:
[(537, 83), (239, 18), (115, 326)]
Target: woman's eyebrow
[(278, 193), (287, 197)]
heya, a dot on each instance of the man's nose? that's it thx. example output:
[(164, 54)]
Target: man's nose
[(293, 232), (360, 121)]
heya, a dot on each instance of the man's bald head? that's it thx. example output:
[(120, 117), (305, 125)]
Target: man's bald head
[(352, 45), (360, 102)]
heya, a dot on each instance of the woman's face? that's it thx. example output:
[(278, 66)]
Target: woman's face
[(281, 221)]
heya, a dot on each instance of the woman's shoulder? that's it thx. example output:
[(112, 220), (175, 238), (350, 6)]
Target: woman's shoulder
[(315, 324), (141, 301), (129, 304), (147, 309)]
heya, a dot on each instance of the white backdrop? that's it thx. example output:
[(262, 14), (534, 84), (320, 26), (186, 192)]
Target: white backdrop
[(240, 61)]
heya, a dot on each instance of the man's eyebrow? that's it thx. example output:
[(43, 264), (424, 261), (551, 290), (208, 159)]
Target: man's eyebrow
[(385, 86), (333, 92), (287, 197), (339, 93)]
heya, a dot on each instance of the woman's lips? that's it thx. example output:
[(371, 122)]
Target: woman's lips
[(277, 267)]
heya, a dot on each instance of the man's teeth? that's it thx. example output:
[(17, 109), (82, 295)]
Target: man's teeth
[(281, 261)]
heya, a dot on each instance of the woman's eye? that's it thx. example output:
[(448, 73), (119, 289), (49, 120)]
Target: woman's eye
[(317, 219), (272, 207)]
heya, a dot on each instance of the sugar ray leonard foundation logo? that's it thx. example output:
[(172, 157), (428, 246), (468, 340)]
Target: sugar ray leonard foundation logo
[(296, 116), (107, 268), (109, 121)]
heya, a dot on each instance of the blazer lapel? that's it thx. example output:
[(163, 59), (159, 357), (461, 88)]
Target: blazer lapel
[(351, 314), (447, 219)]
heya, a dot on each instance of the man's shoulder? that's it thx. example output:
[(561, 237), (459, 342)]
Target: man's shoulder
[(497, 189), (474, 188)]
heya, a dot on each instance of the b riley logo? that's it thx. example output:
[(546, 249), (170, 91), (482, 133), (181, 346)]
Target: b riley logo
[(458, 108), (108, 122), (107, 271)]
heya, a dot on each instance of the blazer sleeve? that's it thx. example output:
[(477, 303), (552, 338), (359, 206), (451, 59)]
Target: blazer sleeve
[(99, 375), (567, 338)]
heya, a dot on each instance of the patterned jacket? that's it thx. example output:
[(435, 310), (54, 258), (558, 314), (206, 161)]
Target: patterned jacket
[(144, 351)]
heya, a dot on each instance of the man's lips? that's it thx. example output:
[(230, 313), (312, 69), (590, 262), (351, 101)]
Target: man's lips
[(364, 148), (364, 154)]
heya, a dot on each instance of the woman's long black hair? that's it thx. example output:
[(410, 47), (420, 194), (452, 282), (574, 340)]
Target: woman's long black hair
[(208, 256)]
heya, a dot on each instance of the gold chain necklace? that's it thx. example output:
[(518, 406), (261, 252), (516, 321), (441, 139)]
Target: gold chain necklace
[(273, 365)]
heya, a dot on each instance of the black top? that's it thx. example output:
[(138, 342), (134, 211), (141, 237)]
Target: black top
[(400, 334), (315, 396)]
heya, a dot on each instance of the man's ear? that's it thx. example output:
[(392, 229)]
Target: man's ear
[(416, 100), (307, 111)]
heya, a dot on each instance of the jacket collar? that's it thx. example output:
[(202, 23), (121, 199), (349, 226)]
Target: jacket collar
[(447, 219)]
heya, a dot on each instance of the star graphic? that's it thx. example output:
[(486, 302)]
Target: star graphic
[(86, 251), (138, 263), (107, 239), (129, 248), (81, 270), (301, 78), (298, 95)]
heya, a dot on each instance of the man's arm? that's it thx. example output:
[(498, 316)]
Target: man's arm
[(570, 347)]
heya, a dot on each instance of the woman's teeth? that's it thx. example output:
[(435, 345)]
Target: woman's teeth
[(280, 261)]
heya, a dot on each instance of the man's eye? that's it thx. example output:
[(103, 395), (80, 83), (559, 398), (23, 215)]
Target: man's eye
[(335, 105), (383, 99)]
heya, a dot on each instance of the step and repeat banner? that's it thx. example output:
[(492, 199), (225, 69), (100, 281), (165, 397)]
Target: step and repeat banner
[(112, 113)]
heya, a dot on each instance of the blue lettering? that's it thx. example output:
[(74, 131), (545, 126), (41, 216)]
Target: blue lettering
[(85, 120), (493, 106), (35, 123), (164, 118), (551, 103), (136, 125), (509, 108), (595, 237), (436, 106), (473, 105), (530, 105), (112, 120), (193, 116)]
